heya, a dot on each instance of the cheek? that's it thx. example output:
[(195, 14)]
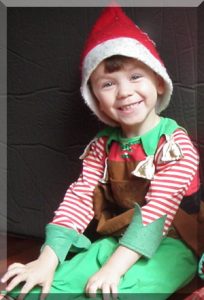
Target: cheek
[(146, 88), (105, 101), (98, 98), (149, 89), (103, 104)]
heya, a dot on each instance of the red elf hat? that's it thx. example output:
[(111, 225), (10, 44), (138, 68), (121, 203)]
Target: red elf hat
[(116, 34)]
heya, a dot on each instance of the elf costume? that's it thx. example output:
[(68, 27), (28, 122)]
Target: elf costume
[(142, 190)]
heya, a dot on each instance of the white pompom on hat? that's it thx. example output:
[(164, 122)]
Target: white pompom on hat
[(116, 34)]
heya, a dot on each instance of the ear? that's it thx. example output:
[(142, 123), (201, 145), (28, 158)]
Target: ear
[(160, 85)]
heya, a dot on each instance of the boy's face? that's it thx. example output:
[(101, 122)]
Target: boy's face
[(128, 96)]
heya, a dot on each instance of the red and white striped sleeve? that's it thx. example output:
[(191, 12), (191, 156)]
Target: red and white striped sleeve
[(171, 182), (76, 209)]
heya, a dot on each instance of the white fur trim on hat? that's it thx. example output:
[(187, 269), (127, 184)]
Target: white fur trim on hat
[(128, 47)]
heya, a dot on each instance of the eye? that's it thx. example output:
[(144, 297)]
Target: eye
[(135, 76), (107, 84)]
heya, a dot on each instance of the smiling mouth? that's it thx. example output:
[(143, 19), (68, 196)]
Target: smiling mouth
[(129, 106)]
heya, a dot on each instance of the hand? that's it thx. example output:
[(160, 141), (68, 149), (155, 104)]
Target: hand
[(108, 277), (38, 272), (105, 280), (197, 295)]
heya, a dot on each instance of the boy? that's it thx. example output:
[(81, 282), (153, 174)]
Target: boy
[(136, 175)]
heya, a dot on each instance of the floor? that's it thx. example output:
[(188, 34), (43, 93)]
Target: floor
[(23, 249), (19, 249)]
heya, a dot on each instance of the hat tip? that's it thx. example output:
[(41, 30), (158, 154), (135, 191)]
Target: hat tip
[(114, 3)]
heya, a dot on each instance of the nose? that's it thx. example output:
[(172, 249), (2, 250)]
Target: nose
[(125, 90)]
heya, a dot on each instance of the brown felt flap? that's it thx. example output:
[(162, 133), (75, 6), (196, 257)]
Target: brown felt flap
[(116, 224)]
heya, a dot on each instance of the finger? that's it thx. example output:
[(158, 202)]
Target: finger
[(11, 267), (43, 296), (196, 298), (21, 296), (114, 290), (91, 289), (106, 291), (45, 290), (15, 265), (11, 273), (88, 287), (25, 290), (202, 292), (16, 281)]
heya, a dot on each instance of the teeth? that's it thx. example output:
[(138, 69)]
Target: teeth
[(127, 107)]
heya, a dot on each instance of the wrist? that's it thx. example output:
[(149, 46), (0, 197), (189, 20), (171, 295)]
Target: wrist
[(62, 240), (114, 271), (121, 260), (48, 255)]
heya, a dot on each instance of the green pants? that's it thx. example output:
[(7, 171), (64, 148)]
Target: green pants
[(172, 267)]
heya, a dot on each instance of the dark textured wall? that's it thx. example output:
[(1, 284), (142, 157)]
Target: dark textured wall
[(48, 124)]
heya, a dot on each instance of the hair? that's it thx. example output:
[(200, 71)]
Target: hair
[(115, 63), (112, 64)]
